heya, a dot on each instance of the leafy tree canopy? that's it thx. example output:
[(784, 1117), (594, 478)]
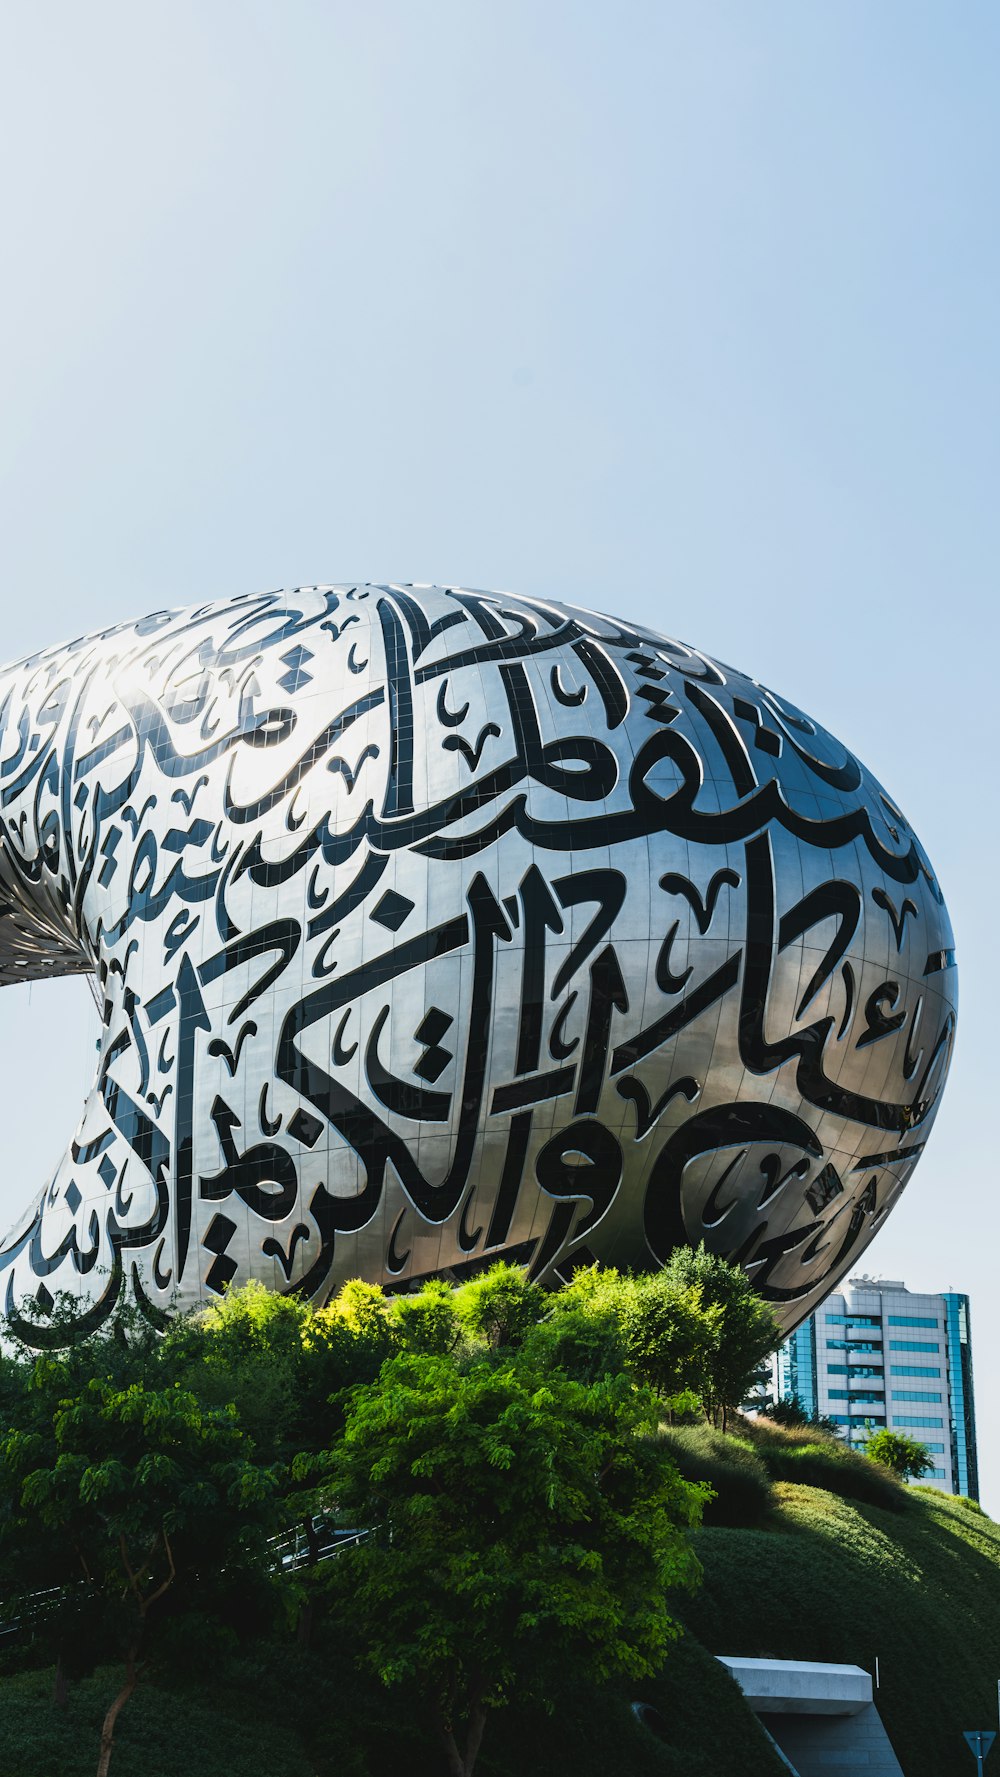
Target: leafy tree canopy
[(747, 1329), (131, 1491), (500, 1306), (498, 1442), (521, 1521), (894, 1450)]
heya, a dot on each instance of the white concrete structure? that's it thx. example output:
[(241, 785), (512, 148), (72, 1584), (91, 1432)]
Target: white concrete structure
[(820, 1717), (800, 1687)]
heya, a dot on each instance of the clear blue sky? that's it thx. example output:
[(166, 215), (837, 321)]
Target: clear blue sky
[(688, 312)]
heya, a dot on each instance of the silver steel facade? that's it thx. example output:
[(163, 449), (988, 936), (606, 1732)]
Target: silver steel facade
[(877, 1354), (433, 926)]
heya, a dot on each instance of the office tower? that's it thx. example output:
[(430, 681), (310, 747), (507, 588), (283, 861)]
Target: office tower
[(877, 1354)]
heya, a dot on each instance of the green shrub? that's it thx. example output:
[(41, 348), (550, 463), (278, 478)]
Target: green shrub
[(809, 1457), (743, 1491), (765, 1430), (836, 1469)]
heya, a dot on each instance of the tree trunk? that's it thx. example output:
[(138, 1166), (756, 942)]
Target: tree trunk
[(108, 1730), (474, 1736), (462, 1764), (453, 1758), (60, 1685)]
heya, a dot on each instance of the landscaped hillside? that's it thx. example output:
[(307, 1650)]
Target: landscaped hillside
[(291, 1714), (829, 1578), (529, 1474), (823, 1578)]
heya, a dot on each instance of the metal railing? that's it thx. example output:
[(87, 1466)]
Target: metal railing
[(293, 1549)]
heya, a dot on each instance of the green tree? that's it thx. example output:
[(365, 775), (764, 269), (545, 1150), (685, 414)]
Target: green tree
[(249, 1350), (790, 1411), (652, 1326), (133, 1491), (279, 1361), (671, 1336), (522, 1524), (500, 1306), (33, 1382), (894, 1450), (428, 1320), (581, 1329), (746, 1326), (366, 1311), (578, 1342)]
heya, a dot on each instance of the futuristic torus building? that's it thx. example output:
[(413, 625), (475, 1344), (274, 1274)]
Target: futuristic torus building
[(434, 926)]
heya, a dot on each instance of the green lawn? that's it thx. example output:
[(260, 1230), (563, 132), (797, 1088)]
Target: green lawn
[(289, 1714)]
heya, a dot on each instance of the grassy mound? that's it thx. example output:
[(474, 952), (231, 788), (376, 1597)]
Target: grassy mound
[(163, 1732), (742, 1467), (284, 1713), (744, 1492), (833, 1579), (791, 1571), (812, 1458)]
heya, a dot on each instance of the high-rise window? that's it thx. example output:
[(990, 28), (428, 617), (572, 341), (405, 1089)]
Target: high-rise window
[(834, 1364), (963, 1412)]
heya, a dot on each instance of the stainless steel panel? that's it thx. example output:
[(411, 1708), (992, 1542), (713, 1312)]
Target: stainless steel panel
[(433, 926)]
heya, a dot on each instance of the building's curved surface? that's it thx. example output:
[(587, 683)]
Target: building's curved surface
[(432, 926)]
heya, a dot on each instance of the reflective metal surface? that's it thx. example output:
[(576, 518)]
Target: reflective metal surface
[(437, 926)]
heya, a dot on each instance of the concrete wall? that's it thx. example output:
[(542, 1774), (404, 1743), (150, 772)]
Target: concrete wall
[(835, 1745), (820, 1716)]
